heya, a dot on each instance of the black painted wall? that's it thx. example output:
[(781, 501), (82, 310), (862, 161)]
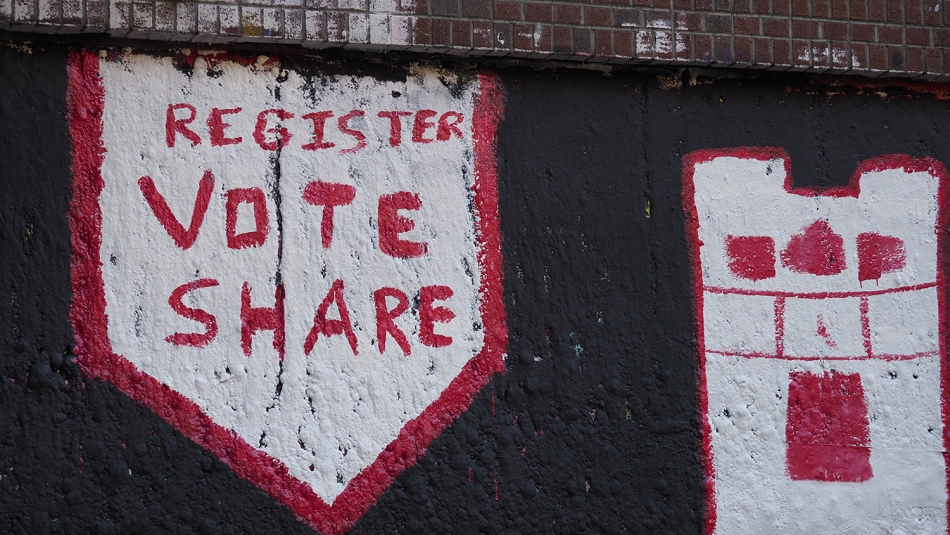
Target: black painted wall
[(595, 426)]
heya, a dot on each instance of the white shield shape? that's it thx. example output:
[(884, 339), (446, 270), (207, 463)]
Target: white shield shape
[(300, 271)]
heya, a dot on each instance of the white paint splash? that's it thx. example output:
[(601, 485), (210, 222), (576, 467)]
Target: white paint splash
[(655, 43)]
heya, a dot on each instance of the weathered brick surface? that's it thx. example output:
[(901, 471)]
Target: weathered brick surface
[(871, 37)]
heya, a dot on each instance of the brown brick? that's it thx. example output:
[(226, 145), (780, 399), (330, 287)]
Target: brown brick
[(820, 9), (580, 37), (761, 51), (933, 61), (501, 31), (96, 14), (742, 6), (704, 4), (835, 31), (942, 37), (897, 58), (718, 23), (623, 43), (782, 7), (862, 32), (805, 29), (722, 5), (252, 23), (462, 33), (644, 3), (859, 11), (702, 47), (877, 59), (876, 11), (522, 37), (782, 52), (801, 53), (840, 56), (336, 27), (890, 34), (141, 15), (775, 27), (627, 18), (536, 12), (932, 13), (475, 8), (482, 34), (567, 14), (918, 36), (725, 49), (839, 9), (747, 25), (603, 45), (821, 54), (445, 8), (657, 19), (915, 59), (505, 10), (417, 8), (761, 7), (913, 12), (317, 26), (662, 3), (72, 12), (665, 45), (858, 56), (441, 32), (644, 45), (801, 8), (683, 5), (895, 13), (691, 22), (743, 49), (545, 39), (294, 24), (597, 16), (687, 41), (562, 40)]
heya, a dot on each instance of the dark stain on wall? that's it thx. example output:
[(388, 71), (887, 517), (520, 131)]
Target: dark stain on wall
[(595, 426)]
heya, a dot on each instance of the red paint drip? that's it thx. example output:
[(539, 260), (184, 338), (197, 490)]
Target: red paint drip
[(818, 250), (779, 326), (866, 325), (823, 333), (827, 428)]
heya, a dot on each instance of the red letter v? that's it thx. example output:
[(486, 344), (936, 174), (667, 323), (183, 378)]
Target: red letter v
[(183, 238)]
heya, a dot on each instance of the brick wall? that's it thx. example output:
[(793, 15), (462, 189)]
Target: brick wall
[(869, 37)]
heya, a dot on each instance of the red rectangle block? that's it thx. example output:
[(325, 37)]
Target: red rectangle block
[(827, 428)]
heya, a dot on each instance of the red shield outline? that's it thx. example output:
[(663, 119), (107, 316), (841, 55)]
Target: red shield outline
[(86, 101)]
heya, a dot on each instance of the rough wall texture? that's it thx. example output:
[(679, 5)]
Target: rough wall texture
[(598, 423), (906, 38)]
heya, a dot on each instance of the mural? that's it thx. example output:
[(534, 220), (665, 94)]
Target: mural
[(299, 271), (244, 294), (822, 343)]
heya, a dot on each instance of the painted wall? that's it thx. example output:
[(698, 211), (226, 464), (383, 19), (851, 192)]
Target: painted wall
[(682, 336)]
